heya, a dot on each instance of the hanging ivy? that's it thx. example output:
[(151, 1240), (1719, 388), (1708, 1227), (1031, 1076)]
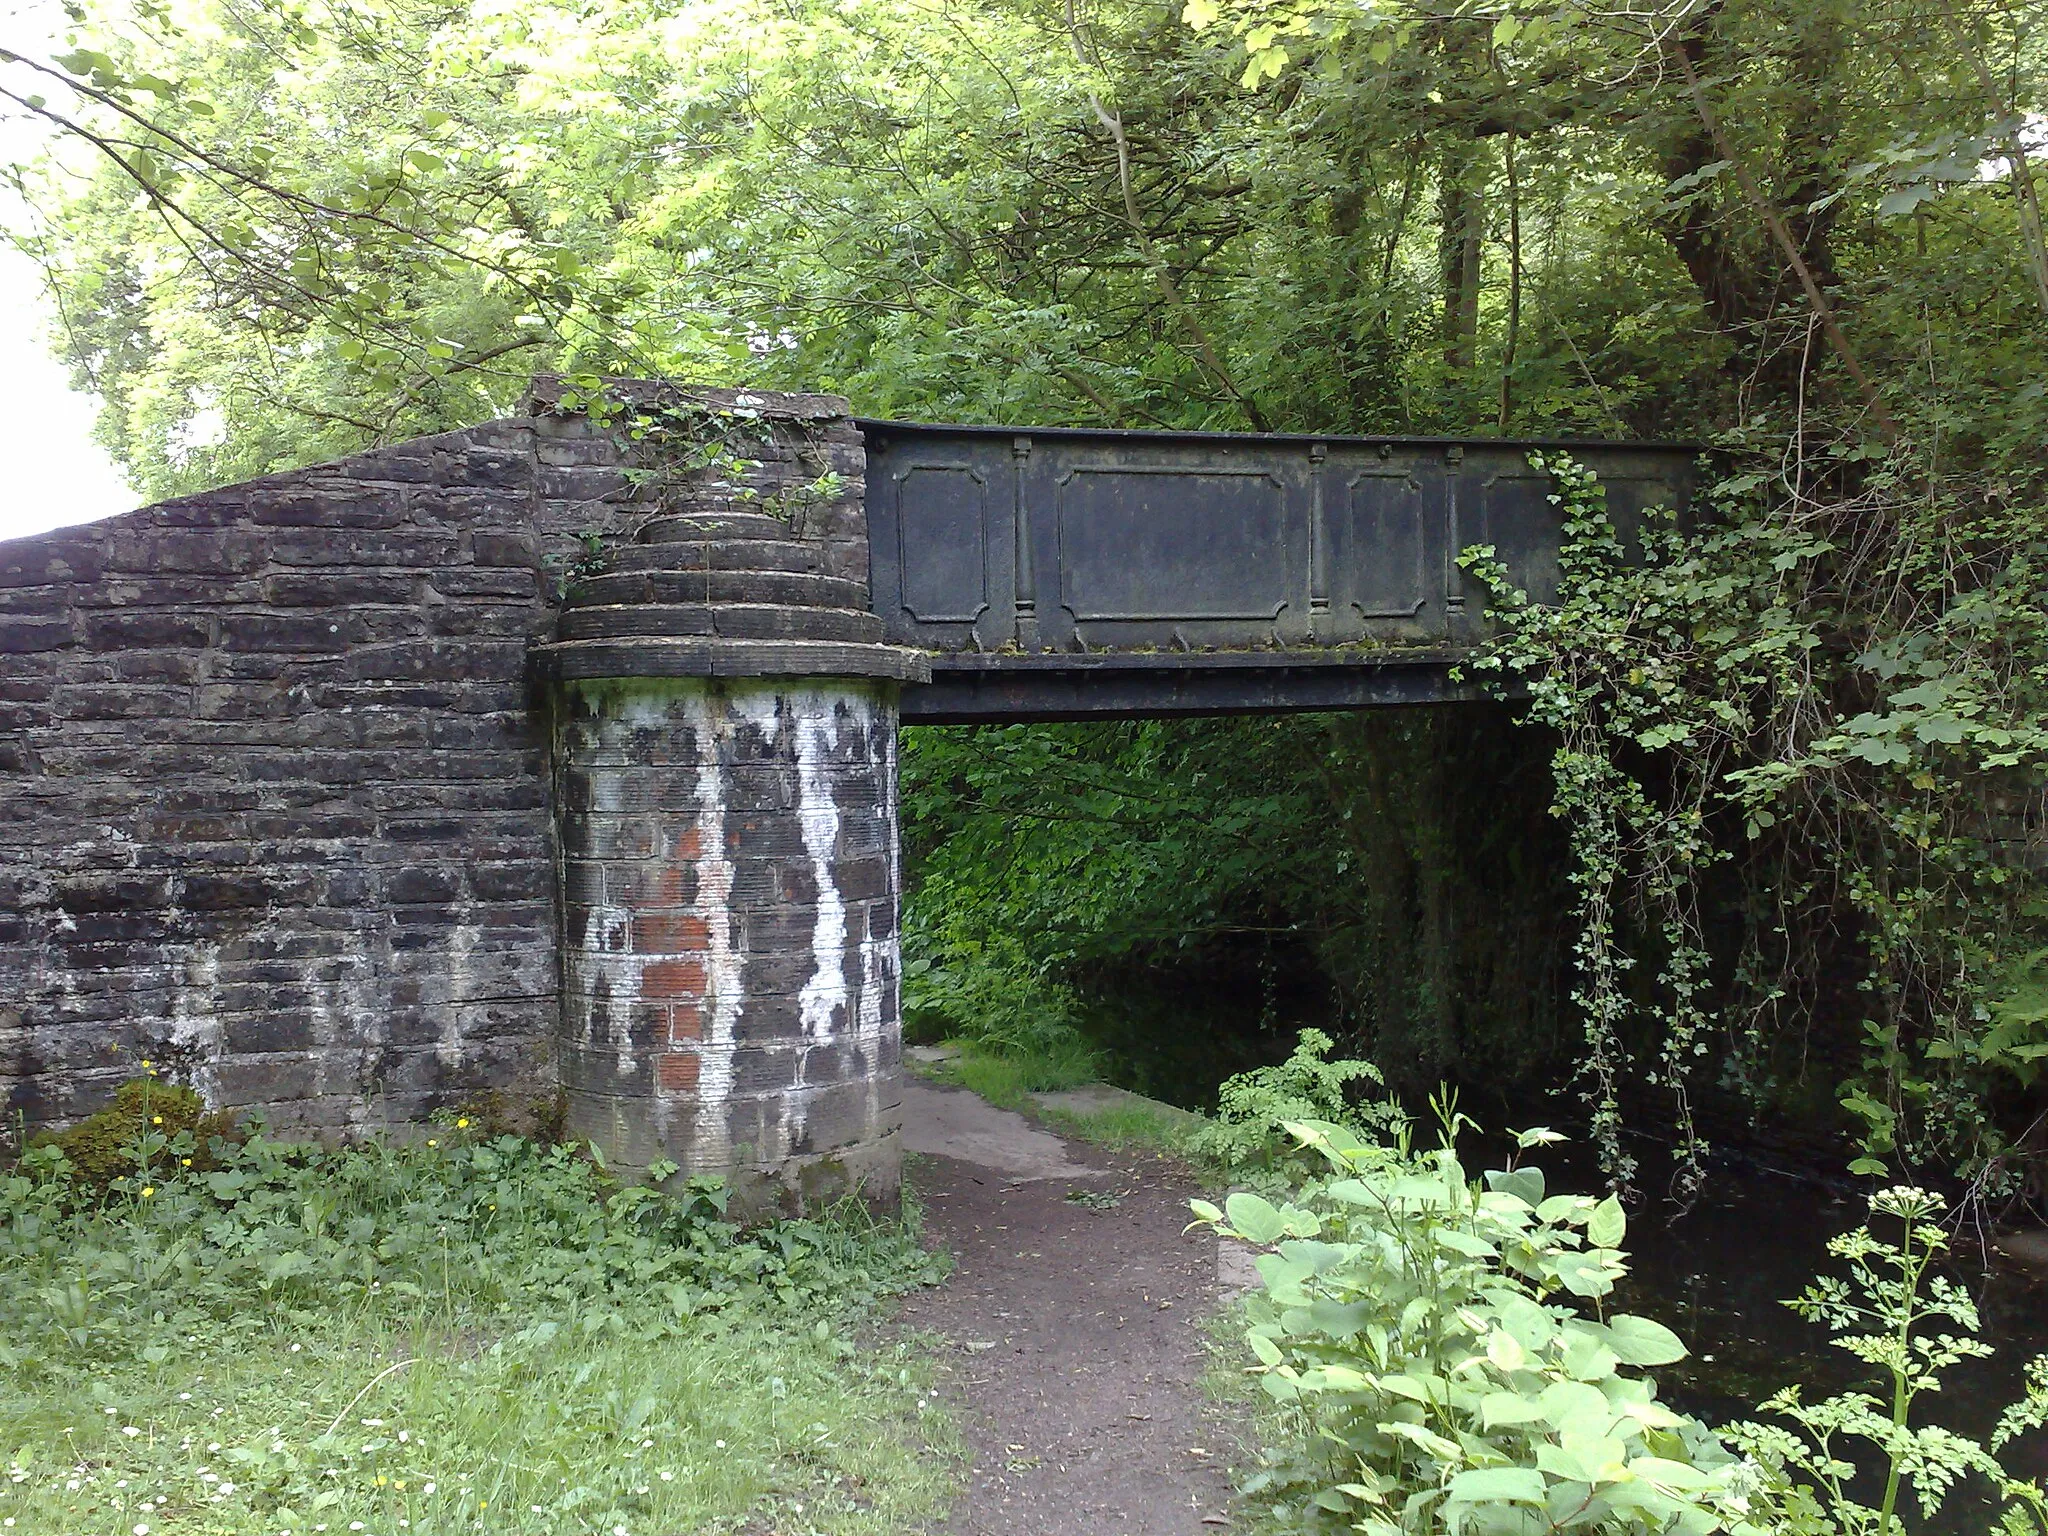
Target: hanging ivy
[(1796, 687)]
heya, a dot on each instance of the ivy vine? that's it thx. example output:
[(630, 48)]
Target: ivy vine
[(1798, 685)]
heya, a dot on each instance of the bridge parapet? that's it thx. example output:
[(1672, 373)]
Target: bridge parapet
[(1022, 557)]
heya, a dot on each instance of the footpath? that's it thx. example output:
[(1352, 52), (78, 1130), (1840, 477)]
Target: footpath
[(1075, 1327)]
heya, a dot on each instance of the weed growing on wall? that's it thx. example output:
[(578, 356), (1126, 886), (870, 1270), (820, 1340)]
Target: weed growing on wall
[(454, 1336), (682, 442)]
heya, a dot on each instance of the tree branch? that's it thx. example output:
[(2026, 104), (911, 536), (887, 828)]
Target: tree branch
[(1205, 349)]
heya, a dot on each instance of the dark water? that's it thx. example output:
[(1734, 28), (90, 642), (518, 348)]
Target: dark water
[(1718, 1275)]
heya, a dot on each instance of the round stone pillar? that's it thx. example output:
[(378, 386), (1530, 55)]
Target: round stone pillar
[(725, 777)]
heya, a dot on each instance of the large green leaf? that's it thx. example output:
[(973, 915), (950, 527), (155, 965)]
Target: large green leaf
[(1255, 1218), (1608, 1224), (1525, 1184), (1486, 1485), (1640, 1341)]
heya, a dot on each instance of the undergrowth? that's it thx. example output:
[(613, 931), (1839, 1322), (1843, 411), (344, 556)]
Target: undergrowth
[(459, 1335), (1125, 1127), (1440, 1353)]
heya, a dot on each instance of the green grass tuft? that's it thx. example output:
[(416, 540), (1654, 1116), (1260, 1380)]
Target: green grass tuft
[(1007, 1078), (1127, 1127)]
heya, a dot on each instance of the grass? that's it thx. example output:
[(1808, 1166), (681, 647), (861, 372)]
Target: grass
[(464, 1336), (1008, 1078), (1126, 1127)]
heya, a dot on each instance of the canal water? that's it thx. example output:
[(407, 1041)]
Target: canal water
[(1718, 1275)]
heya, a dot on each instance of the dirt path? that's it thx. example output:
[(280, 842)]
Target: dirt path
[(1076, 1328)]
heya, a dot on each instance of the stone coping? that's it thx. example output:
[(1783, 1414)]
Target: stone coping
[(695, 656)]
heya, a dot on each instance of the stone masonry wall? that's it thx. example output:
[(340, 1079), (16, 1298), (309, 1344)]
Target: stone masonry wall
[(274, 804), (731, 883)]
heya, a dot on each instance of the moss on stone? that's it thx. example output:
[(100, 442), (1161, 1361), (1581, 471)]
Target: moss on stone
[(539, 1116), (112, 1143)]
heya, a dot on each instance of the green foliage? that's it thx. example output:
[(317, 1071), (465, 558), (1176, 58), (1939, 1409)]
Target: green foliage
[(982, 988), (316, 230), (1427, 1341), (1125, 1127), (1879, 1315), (1702, 709), (1429, 1337), (1254, 1109), (467, 1334), (1398, 857), (1007, 1078), (276, 1228)]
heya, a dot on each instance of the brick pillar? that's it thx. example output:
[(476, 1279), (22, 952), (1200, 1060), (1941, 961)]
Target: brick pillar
[(725, 774)]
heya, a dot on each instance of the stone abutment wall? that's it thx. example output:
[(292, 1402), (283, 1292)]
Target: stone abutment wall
[(278, 803)]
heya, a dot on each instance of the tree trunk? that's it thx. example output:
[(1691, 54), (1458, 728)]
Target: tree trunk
[(1463, 209)]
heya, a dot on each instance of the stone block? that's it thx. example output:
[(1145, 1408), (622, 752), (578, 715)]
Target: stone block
[(154, 551), (24, 634), (287, 632), (334, 504), (53, 559), (341, 588)]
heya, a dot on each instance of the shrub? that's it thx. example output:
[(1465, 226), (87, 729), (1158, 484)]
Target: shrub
[(1254, 1109), (990, 994), (1426, 1333), (1429, 1337)]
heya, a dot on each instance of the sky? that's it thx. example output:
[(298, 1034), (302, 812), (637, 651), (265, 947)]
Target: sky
[(54, 472)]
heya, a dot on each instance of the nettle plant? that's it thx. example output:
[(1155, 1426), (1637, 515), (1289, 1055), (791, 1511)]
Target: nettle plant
[(1433, 1336)]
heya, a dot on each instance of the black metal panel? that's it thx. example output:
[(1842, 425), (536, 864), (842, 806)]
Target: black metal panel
[(1012, 544)]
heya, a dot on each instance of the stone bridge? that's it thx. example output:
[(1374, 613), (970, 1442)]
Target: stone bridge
[(555, 759)]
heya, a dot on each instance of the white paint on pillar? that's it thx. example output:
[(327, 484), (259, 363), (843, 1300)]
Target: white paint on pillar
[(724, 971), (817, 733), (605, 939), (881, 959), (607, 934)]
